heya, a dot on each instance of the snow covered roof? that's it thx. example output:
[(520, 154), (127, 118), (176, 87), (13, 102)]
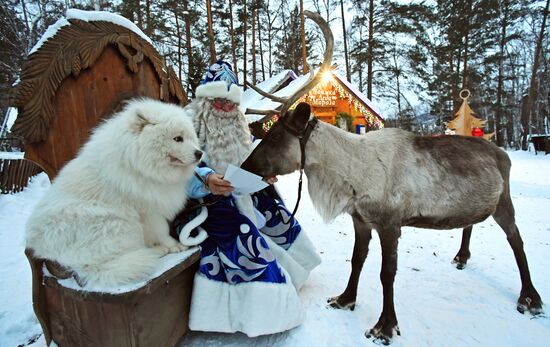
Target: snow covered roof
[(358, 94), (270, 85), (50, 32), (259, 102), (87, 16), (264, 103)]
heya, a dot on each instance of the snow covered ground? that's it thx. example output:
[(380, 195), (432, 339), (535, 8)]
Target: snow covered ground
[(436, 304)]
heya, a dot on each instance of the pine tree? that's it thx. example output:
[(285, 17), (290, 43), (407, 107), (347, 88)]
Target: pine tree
[(292, 44), (272, 14), (398, 62), (12, 50)]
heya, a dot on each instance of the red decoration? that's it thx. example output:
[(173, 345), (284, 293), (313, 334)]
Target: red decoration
[(478, 132)]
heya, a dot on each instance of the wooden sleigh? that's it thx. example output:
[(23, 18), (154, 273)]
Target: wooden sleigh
[(79, 76)]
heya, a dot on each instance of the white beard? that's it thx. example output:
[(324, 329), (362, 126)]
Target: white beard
[(225, 139), (224, 136)]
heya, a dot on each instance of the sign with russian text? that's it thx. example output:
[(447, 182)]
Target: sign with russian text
[(323, 97)]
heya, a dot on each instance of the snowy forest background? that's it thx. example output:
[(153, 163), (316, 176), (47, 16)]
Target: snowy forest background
[(411, 57)]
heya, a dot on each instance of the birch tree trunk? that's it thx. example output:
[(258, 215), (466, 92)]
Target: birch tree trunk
[(232, 34)]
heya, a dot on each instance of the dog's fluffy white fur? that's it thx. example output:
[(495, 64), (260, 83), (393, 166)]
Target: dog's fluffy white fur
[(106, 214)]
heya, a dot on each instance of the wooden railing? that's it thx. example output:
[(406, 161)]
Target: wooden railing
[(15, 174)]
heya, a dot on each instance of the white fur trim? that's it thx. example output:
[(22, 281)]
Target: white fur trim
[(254, 308), (218, 89), (246, 207), (185, 233), (298, 260), (260, 218), (304, 253), (297, 274)]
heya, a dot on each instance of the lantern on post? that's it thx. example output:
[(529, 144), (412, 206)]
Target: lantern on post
[(465, 123)]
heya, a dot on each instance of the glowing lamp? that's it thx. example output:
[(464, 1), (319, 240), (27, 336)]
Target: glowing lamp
[(327, 76)]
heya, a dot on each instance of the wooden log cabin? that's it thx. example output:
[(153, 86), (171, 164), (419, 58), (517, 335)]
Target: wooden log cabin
[(330, 98)]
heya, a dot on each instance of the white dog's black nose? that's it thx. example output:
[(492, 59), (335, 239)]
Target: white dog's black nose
[(198, 154)]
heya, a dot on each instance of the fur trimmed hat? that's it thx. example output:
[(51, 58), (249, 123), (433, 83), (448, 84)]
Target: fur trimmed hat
[(220, 82)]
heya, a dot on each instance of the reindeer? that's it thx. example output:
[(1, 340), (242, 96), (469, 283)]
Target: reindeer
[(391, 178)]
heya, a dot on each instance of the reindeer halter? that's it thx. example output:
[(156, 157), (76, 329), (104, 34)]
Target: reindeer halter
[(302, 135)]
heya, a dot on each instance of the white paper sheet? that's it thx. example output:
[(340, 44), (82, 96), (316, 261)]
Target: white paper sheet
[(243, 181)]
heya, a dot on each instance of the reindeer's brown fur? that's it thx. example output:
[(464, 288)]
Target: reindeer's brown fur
[(391, 178)]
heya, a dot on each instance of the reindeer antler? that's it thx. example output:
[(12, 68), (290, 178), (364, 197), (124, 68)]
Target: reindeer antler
[(312, 80)]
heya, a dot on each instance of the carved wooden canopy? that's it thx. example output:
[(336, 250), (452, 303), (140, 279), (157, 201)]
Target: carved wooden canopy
[(71, 50)]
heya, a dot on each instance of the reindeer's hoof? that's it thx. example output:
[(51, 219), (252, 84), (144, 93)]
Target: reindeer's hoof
[(460, 262), (377, 335), (530, 303), (340, 303), (460, 266)]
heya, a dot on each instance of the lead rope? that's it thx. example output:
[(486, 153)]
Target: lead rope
[(302, 149), (303, 140)]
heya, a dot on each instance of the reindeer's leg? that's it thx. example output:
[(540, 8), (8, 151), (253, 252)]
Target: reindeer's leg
[(387, 323), (529, 299), (464, 252), (363, 236)]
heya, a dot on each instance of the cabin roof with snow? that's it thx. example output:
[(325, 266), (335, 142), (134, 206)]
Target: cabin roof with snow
[(270, 85), (253, 100)]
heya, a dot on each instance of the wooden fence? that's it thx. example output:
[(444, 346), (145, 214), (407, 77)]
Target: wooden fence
[(15, 174)]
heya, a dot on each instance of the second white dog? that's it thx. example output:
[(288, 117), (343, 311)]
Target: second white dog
[(106, 214)]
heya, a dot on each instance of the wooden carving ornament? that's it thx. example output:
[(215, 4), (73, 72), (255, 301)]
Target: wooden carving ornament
[(73, 48)]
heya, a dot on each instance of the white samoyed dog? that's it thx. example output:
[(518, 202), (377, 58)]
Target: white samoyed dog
[(106, 214)]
